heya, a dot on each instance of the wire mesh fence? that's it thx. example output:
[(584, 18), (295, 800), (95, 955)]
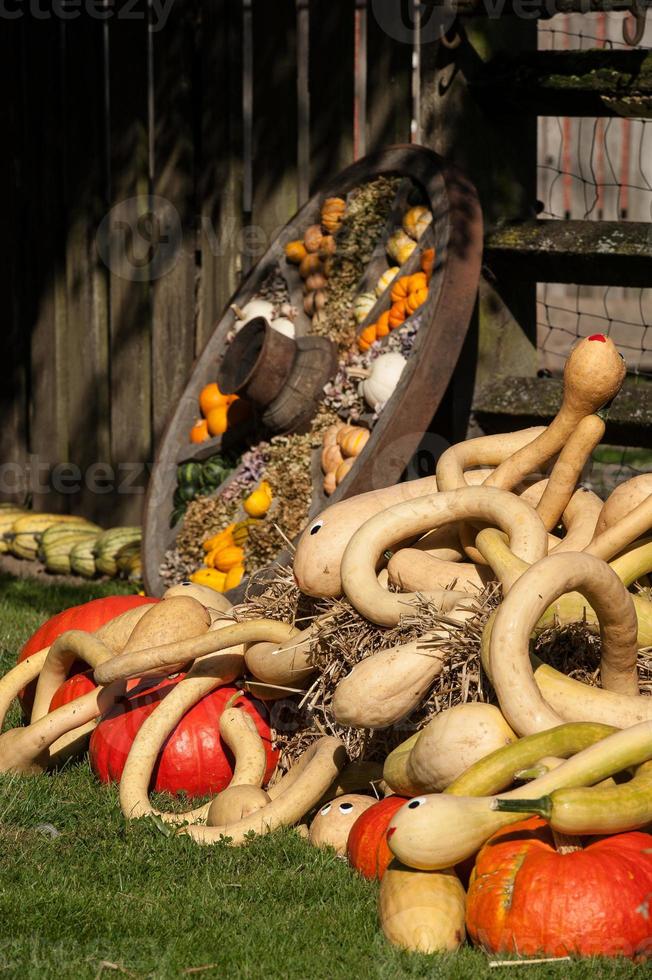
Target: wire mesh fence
[(595, 169)]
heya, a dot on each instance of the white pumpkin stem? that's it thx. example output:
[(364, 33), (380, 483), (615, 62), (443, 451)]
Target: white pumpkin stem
[(361, 373), (239, 312)]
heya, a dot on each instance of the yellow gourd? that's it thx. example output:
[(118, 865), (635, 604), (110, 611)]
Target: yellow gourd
[(228, 558), (234, 576), (223, 537), (209, 577), (416, 220), (400, 246), (258, 503)]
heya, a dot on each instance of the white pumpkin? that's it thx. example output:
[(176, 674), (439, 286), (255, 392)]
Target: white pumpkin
[(284, 326), (254, 308), (386, 279), (416, 220), (384, 375)]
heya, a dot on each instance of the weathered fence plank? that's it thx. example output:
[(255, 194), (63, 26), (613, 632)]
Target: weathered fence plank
[(131, 253), (331, 88), (87, 354), (172, 166), (219, 164)]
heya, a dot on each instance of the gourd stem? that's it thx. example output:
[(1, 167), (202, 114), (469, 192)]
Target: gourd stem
[(565, 844), (541, 807)]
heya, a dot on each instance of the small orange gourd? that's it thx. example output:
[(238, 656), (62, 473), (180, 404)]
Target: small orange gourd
[(343, 469), (382, 324), (416, 299), (401, 289), (312, 238), (332, 212), (217, 420), (199, 431), (367, 337), (310, 265), (228, 558), (397, 315), (295, 252), (354, 442), (428, 261)]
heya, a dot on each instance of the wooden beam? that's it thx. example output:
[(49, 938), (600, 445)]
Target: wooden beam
[(587, 252), (512, 403), (568, 83)]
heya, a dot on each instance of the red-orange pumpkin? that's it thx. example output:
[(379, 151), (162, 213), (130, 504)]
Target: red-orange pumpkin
[(528, 898), (367, 848), (88, 616), (73, 688), (194, 759)]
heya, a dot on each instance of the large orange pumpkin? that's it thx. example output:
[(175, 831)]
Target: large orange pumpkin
[(194, 759), (528, 898), (89, 616), (367, 848)]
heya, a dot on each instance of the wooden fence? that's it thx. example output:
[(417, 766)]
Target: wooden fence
[(151, 153), (228, 113)]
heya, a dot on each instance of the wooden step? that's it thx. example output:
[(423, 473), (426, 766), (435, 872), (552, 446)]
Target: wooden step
[(513, 403), (568, 83), (586, 252)]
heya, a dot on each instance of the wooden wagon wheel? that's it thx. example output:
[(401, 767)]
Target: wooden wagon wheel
[(455, 232)]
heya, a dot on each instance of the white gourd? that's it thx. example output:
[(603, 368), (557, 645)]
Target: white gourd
[(254, 308), (386, 279), (384, 376), (363, 305)]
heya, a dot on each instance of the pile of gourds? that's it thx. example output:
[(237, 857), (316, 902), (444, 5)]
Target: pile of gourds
[(67, 544), (313, 254), (449, 840), (408, 293)]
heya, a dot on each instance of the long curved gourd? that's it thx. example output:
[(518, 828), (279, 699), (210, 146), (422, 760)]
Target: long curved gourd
[(161, 659), (437, 831), (491, 451), (520, 699), (387, 686), (593, 375), (623, 500), (291, 798), (568, 467), (365, 549), (37, 747), (605, 809), (414, 570), (617, 537)]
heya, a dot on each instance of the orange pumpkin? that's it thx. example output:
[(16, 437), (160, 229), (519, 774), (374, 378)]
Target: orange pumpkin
[(366, 847), (397, 315), (382, 324), (416, 299), (332, 212), (367, 337), (199, 431), (528, 898), (428, 261), (295, 252), (327, 247), (401, 289)]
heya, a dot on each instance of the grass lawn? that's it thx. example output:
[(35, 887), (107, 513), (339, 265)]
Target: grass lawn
[(84, 895)]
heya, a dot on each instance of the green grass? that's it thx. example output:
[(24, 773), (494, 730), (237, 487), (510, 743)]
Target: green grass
[(102, 898)]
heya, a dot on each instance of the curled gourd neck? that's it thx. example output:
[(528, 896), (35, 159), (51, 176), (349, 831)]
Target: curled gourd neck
[(493, 545)]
